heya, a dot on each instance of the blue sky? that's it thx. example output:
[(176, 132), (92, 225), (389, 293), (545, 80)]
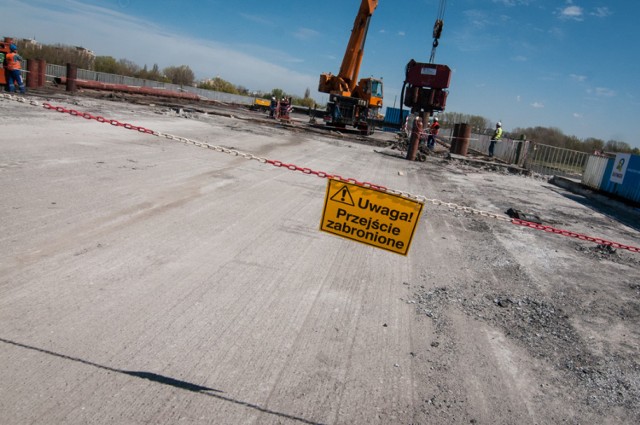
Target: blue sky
[(569, 64)]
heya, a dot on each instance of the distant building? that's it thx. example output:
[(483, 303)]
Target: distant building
[(31, 42), (86, 52)]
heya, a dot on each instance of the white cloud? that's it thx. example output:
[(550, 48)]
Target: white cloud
[(602, 12), (401, 33), (305, 33), (512, 2), (537, 105), (557, 33), (259, 20), (477, 18), (520, 58), (604, 92), (577, 115), (578, 78), (572, 12)]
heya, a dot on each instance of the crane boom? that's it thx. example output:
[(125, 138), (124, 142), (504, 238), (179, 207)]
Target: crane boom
[(351, 101), (355, 49)]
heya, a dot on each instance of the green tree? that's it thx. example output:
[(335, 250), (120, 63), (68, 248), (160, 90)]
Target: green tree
[(107, 64), (278, 93), (127, 67), (218, 84), (307, 102), (182, 75), (617, 146), (57, 54), (478, 123), (156, 75), (592, 144), (242, 90)]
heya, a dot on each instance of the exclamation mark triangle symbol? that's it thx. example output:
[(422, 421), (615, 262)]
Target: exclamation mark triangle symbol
[(343, 196)]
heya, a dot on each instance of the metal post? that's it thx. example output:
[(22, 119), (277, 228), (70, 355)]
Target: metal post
[(416, 131), (32, 74), (544, 161), (72, 74), (464, 133), (454, 139), (42, 72), (572, 162)]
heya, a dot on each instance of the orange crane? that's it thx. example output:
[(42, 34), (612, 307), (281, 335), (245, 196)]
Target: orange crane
[(351, 102)]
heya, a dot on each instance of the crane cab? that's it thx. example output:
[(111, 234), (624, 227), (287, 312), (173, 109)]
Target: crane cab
[(371, 91)]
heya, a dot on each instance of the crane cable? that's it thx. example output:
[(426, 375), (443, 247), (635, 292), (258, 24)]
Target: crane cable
[(437, 29)]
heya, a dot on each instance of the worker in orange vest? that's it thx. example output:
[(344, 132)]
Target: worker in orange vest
[(433, 132), (12, 63)]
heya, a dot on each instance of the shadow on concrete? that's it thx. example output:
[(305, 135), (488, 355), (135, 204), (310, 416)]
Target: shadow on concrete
[(610, 208), (165, 380)]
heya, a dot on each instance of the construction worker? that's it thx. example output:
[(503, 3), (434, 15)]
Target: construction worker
[(12, 63), (496, 137), (433, 132), (272, 107), (408, 125)]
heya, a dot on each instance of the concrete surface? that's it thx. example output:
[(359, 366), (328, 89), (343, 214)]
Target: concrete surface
[(143, 280)]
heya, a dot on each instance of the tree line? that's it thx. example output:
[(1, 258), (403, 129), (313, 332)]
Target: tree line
[(60, 54)]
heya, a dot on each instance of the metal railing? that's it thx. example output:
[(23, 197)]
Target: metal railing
[(507, 150), (551, 160), (54, 71), (536, 157)]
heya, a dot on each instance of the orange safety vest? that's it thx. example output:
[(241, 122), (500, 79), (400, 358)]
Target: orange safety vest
[(12, 63)]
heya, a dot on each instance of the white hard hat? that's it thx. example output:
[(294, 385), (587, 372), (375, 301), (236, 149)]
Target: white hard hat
[(435, 118), (498, 124)]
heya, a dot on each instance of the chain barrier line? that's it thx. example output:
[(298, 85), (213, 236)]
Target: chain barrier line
[(322, 174), (291, 167), (571, 234)]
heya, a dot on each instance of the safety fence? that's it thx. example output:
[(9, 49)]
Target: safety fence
[(57, 71), (551, 160), (322, 174), (507, 150), (536, 157)]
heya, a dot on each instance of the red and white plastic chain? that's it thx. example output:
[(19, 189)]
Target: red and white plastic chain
[(98, 118), (322, 174), (571, 234)]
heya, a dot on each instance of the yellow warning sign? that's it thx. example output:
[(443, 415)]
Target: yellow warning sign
[(370, 216)]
